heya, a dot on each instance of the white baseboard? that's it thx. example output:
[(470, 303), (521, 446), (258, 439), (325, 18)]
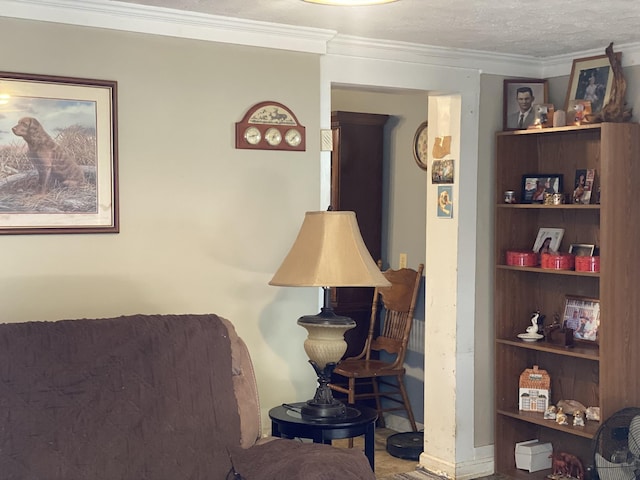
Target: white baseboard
[(481, 465)]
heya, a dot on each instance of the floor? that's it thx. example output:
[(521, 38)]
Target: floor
[(386, 465)]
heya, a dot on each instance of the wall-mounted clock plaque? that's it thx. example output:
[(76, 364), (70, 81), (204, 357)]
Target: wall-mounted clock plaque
[(270, 126)]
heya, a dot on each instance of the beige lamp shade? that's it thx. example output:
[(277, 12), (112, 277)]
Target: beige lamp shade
[(329, 252)]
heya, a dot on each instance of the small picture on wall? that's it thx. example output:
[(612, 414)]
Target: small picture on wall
[(445, 201), (442, 171)]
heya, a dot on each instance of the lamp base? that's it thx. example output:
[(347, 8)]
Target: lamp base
[(323, 405), (313, 410)]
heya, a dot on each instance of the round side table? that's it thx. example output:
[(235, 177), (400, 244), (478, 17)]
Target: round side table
[(287, 422)]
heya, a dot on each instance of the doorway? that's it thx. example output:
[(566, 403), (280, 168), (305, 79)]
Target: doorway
[(403, 207)]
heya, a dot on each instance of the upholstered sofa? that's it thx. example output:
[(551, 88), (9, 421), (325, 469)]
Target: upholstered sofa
[(143, 397)]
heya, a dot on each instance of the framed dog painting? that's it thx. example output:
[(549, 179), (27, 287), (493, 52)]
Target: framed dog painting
[(58, 155)]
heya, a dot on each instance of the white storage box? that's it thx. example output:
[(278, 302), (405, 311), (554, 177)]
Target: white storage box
[(533, 455)]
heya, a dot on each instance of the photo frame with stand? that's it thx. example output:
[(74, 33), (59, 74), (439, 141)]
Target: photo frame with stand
[(535, 185), (582, 315), (548, 239)]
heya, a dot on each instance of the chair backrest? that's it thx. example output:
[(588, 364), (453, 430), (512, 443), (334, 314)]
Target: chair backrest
[(399, 301)]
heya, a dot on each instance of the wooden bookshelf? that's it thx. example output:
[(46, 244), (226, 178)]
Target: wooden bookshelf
[(600, 374)]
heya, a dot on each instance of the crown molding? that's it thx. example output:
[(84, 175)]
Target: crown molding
[(122, 16), (485, 62), (169, 22), (560, 65)]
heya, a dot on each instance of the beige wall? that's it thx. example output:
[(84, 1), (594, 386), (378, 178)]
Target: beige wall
[(203, 225)]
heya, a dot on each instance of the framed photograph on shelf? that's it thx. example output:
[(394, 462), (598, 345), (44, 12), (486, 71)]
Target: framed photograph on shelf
[(582, 249), (548, 240), (582, 315), (583, 185), (518, 98), (591, 80), (58, 138), (535, 185)]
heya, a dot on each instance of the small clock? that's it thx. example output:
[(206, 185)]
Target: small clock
[(420, 146), (293, 137), (252, 135), (273, 136)]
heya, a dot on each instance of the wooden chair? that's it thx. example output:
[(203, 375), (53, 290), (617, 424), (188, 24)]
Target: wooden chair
[(398, 301)]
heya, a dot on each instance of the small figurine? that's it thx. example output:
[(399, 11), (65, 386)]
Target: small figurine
[(561, 417), (534, 327), (573, 465), (578, 419), (593, 413), (550, 413)]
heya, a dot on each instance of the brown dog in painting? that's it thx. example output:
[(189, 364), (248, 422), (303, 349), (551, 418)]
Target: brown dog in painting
[(48, 158)]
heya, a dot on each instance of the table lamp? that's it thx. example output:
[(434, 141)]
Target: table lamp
[(328, 252)]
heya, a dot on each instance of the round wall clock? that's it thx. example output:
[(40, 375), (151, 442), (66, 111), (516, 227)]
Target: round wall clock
[(270, 126), (420, 146), (252, 135)]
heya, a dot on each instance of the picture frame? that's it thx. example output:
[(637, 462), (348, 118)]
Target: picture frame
[(445, 201), (535, 185), (582, 315), (74, 122), (443, 171), (538, 91), (583, 186), (591, 80), (548, 239), (582, 249)]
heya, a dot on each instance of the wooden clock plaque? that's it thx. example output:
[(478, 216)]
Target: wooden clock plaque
[(270, 126)]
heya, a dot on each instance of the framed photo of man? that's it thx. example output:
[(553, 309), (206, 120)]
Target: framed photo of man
[(519, 97)]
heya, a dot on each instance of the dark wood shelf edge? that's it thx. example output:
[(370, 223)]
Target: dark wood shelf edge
[(538, 131), (588, 431), (548, 270), (540, 206), (575, 351)]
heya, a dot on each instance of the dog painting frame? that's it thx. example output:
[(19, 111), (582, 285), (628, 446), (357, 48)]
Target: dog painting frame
[(58, 155)]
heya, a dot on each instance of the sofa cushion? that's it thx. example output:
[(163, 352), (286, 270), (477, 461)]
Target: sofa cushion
[(294, 460), (129, 398)]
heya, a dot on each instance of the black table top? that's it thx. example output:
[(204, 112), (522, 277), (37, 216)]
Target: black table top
[(290, 413)]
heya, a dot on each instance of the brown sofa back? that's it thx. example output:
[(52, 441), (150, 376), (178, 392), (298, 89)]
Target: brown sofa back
[(136, 397)]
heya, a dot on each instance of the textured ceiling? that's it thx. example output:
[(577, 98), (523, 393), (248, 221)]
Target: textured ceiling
[(542, 28)]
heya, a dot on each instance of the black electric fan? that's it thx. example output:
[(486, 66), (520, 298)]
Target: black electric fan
[(616, 447)]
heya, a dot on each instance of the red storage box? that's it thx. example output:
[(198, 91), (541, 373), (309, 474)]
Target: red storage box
[(588, 264), (522, 258), (558, 261)]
